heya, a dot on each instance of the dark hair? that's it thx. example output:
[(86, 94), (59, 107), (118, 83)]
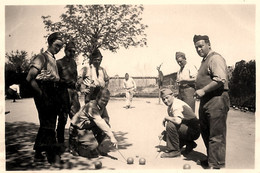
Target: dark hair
[(53, 37), (96, 53), (103, 93)]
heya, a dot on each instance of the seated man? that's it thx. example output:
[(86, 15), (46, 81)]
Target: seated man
[(90, 127), (182, 125)]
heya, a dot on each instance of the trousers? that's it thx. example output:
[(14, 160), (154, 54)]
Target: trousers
[(177, 135), (47, 106), (213, 116), (70, 106), (186, 94)]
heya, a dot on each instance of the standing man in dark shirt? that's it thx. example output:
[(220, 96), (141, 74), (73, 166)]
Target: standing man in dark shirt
[(211, 89), (70, 105)]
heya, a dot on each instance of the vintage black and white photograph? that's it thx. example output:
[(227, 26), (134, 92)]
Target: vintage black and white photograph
[(159, 86)]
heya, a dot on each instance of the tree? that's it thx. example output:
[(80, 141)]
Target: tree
[(243, 84), (17, 61), (108, 27)]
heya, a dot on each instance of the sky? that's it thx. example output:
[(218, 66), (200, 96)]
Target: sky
[(171, 27)]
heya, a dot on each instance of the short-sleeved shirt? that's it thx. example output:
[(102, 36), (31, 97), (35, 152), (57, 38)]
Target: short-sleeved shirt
[(189, 71), (89, 71), (181, 110), (130, 83), (213, 68), (67, 68), (46, 64), (88, 113)]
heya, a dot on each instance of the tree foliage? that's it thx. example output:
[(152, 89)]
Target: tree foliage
[(243, 84), (108, 27), (17, 61)]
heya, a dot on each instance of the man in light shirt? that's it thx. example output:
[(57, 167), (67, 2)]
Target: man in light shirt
[(14, 91), (181, 126), (130, 87), (186, 80)]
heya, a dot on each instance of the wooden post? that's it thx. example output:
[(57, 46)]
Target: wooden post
[(159, 81), (159, 95)]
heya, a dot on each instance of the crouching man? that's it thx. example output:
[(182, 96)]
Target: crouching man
[(182, 126), (90, 129)]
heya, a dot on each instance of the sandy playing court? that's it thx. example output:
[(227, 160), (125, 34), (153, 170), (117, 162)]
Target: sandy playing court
[(137, 131)]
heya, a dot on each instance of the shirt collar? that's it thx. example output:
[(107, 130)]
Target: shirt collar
[(48, 52), (211, 51)]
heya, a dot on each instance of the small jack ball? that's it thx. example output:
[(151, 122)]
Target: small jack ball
[(98, 164), (130, 160), (142, 161), (186, 166)]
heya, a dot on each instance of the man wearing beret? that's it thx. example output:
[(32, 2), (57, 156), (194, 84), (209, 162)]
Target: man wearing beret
[(212, 90), (186, 80), (70, 105), (182, 126)]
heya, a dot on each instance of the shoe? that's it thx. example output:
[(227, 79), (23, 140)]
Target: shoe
[(102, 153), (203, 163), (162, 136), (171, 154), (57, 162), (39, 157), (189, 148)]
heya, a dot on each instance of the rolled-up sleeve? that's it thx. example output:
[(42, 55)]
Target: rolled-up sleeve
[(218, 69), (37, 62)]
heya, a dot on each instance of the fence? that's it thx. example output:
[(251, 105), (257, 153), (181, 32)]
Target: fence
[(146, 86)]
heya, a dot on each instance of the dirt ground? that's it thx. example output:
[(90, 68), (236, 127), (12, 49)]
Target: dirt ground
[(136, 130)]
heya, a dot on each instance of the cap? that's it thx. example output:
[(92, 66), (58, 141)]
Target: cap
[(200, 37), (54, 36), (70, 44), (180, 54), (96, 53), (165, 91)]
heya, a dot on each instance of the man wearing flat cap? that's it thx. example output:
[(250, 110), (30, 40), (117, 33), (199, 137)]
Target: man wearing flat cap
[(182, 126), (186, 80), (212, 90), (70, 105)]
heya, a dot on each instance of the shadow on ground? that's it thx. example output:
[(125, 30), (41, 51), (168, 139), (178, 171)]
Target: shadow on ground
[(19, 141)]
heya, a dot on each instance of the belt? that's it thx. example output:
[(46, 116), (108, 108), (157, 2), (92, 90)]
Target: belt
[(187, 86), (217, 92), (65, 85), (47, 83)]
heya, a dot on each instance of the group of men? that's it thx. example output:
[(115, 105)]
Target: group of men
[(56, 85), (210, 85)]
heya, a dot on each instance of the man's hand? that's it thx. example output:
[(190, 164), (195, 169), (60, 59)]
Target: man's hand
[(114, 142), (164, 122), (176, 120), (199, 93), (85, 91)]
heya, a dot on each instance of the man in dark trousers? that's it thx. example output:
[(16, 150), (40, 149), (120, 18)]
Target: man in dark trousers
[(70, 105), (182, 125), (91, 127), (212, 90), (186, 80), (43, 77)]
